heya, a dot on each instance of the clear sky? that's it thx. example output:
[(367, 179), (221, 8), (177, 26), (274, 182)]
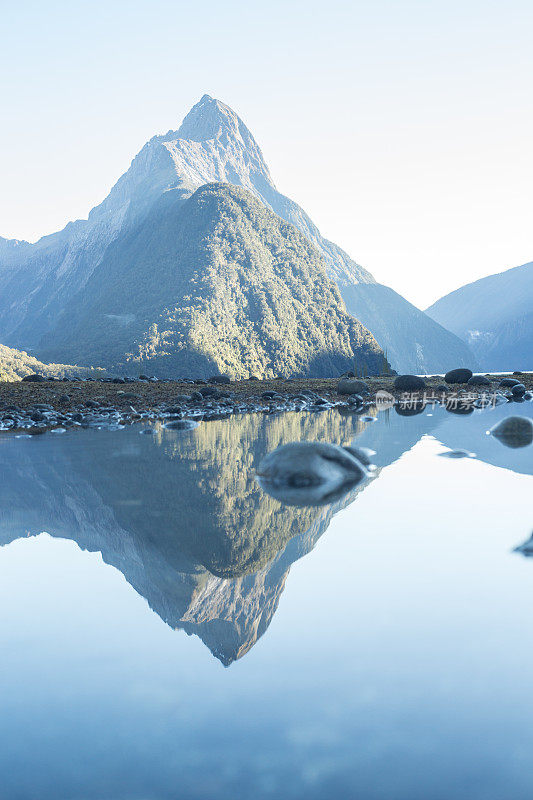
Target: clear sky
[(403, 127)]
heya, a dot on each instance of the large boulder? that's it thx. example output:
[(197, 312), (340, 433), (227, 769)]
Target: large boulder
[(34, 378), (219, 379), (409, 383), (209, 391), (510, 382), (352, 386), (478, 380), (518, 390), (460, 375)]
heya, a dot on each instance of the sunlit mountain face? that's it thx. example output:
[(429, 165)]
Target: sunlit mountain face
[(49, 288)]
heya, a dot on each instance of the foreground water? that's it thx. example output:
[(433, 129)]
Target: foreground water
[(378, 648)]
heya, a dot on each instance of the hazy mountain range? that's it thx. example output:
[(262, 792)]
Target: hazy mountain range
[(51, 291), (494, 315)]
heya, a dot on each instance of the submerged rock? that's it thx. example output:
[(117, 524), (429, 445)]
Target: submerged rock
[(409, 408), (457, 405), (182, 424), (311, 473), (514, 431), (457, 454)]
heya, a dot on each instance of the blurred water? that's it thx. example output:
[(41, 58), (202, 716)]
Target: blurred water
[(376, 648)]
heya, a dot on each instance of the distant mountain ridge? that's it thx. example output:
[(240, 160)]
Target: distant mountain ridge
[(494, 315), (38, 281)]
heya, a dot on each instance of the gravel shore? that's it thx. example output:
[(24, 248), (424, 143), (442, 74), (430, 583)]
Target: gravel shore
[(35, 407)]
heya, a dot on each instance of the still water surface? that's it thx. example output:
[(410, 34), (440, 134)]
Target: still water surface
[(378, 649)]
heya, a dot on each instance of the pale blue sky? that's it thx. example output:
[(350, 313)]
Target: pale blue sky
[(403, 128)]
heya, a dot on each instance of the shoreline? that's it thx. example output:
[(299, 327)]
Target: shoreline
[(35, 408)]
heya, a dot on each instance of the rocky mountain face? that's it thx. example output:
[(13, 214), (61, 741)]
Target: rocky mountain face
[(38, 281), (215, 283), (494, 315)]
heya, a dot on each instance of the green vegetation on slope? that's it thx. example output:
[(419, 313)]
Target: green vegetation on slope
[(15, 364), (214, 283)]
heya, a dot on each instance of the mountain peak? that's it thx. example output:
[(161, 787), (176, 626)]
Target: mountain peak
[(207, 119)]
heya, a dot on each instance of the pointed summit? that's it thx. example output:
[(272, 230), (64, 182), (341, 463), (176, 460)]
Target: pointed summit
[(209, 118)]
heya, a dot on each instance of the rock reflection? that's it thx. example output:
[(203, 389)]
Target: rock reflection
[(311, 473)]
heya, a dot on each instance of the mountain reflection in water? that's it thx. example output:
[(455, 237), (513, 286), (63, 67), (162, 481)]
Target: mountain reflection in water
[(181, 515)]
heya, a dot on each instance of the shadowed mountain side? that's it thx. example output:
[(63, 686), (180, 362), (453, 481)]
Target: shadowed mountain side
[(494, 316), (414, 342), (215, 281)]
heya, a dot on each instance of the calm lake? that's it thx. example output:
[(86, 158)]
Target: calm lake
[(169, 630)]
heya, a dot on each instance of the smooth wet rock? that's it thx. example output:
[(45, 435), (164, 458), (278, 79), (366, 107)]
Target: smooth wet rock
[(509, 382), (352, 386), (478, 380), (518, 390), (34, 378), (409, 383), (309, 473), (442, 387), (460, 375), (514, 431)]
